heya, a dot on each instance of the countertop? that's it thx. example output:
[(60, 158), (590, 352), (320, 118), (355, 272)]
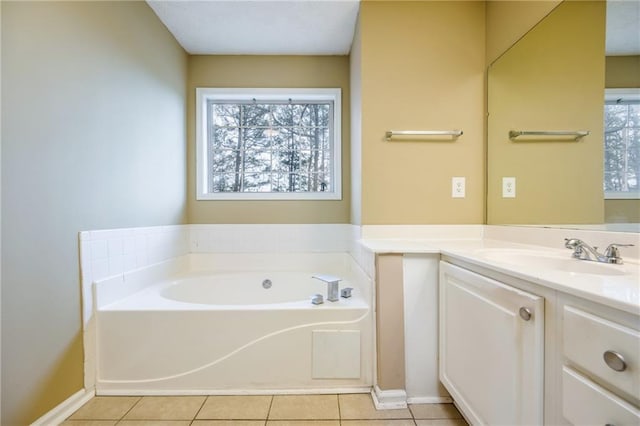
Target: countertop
[(617, 291)]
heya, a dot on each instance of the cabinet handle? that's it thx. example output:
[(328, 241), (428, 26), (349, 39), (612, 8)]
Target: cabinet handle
[(525, 313), (614, 360)]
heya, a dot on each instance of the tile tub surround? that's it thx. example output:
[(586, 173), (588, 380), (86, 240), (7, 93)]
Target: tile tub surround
[(331, 409)]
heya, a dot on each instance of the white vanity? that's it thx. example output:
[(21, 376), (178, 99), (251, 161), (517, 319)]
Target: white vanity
[(528, 335)]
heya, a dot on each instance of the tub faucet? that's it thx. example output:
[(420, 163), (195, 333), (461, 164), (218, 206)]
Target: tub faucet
[(333, 293), (584, 251)]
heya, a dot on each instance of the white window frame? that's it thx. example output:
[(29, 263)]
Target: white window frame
[(204, 94), (632, 94)]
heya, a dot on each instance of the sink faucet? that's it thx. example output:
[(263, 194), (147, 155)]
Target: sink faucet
[(332, 286), (584, 251)]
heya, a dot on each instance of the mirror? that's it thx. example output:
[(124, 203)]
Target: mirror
[(553, 79)]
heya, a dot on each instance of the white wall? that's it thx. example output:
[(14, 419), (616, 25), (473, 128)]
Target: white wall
[(93, 137)]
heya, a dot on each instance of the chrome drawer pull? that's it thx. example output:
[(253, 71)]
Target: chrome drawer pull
[(614, 360), (525, 313)]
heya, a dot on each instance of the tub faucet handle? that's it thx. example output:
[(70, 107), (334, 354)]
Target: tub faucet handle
[(317, 299), (346, 292)]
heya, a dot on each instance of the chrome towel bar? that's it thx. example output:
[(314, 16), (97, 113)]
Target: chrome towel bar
[(576, 135), (453, 133)]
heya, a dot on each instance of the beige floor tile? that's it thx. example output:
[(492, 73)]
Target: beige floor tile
[(360, 406), (105, 408), (441, 422), (166, 408), (303, 423), (304, 407), (435, 411), (228, 423), (386, 422), (89, 423), (154, 423), (250, 407)]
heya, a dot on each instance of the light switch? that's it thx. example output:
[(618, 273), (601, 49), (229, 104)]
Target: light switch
[(457, 187), (508, 187)]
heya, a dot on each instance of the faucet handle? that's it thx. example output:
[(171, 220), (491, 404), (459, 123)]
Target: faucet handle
[(572, 243), (612, 249)]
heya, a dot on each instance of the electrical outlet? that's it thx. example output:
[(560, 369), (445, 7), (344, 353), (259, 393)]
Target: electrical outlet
[(508, 187), (457, 187)]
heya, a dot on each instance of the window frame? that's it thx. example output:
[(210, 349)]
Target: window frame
[(205, 94), (628, 94)]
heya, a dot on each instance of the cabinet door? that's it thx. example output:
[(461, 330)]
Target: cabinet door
[(491, 348)]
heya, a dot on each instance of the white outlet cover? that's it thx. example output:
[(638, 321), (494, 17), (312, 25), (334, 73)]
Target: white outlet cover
[(458, 187), (508, 187)]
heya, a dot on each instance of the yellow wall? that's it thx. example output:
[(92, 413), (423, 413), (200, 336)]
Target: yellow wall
[(422, 67), (622, 72), (551, 80), (508, 21), (93, 137), (269, 71)]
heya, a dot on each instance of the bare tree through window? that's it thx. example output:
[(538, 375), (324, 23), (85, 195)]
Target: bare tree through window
[(276, 146)]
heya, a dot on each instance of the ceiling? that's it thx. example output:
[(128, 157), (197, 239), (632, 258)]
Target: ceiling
[(623, 27), (260, 27), (314, 27)]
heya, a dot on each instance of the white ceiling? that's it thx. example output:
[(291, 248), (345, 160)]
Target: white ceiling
[(315, 27), (623, 27), (260, 27)]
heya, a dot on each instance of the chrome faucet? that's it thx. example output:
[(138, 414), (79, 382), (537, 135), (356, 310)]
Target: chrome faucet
[(584, 251), (333, 293)]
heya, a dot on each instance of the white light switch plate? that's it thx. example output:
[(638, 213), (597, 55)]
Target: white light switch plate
[(508, 187), (457, 187)]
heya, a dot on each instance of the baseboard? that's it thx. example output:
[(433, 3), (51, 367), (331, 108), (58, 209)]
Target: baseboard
[(429, 400), (66, 408), (389, 399)]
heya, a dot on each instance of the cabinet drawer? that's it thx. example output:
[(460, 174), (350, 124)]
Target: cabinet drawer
[(585, 403), (586, 339)]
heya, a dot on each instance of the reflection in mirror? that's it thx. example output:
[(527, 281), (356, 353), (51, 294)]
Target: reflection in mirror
[(554, 79)]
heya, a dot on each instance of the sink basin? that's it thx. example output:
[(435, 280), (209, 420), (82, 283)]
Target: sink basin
[(551, 261)]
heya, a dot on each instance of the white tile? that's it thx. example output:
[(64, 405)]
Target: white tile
[(116, 264), (129, 262), (140, 242), (142, 259), (99, 269), (115, 247), (129, 245), (99, 249)]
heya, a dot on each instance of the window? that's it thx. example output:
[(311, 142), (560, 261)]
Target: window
[(268, 144), (622, 143)]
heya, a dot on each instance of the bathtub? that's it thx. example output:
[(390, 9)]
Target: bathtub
[(206, 324)]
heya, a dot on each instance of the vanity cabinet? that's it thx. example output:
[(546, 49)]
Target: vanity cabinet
[(491, 348), (573, 362)]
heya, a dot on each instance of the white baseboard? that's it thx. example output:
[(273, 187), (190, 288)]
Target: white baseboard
[(66, 408), (389, 399), (429, 400)]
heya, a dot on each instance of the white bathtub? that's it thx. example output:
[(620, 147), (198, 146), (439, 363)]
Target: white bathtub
[(210, 327)]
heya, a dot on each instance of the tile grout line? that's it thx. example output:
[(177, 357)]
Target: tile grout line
[(269, 410), (129, 410), (206, 398)]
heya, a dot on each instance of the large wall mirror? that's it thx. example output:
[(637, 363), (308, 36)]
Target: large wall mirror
[(544, 94)]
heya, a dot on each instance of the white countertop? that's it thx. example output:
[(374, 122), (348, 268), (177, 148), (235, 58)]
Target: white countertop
[(617, 291)]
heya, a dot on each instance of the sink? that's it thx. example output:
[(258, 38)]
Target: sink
[(551, 261)]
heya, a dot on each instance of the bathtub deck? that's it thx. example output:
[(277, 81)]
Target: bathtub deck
[(320, 410)]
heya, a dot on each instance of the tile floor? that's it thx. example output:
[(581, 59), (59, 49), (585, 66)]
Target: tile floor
[(277, 410)]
